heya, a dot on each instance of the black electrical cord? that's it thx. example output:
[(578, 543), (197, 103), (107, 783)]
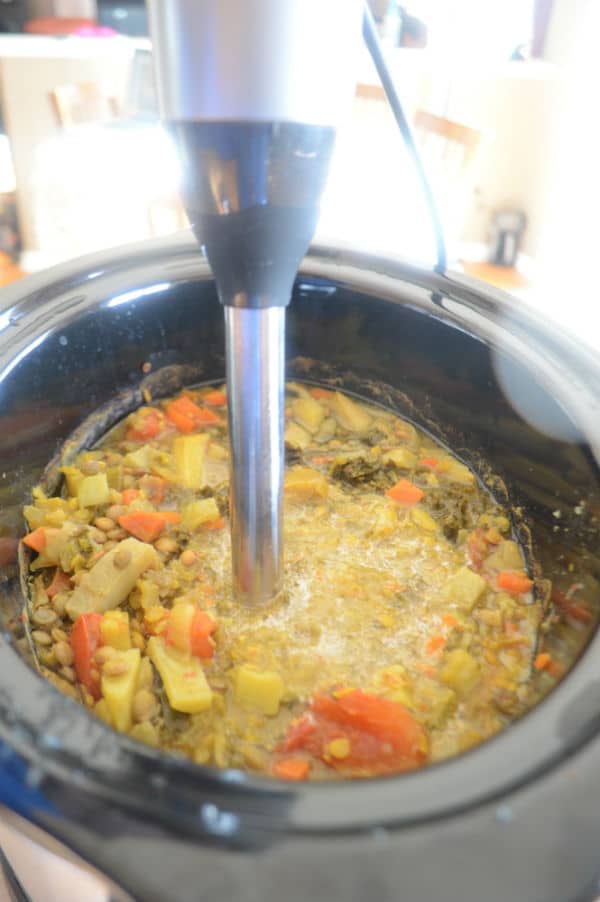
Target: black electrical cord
[(374, 47)]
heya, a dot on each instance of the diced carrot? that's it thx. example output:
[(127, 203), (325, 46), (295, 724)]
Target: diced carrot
[(183, 423), (154, 488), (325, 459), (86, 638), (541, 661), (320, 394), (187, 415), (60, 582), (435, 644), (291, 769), (513, 582), (201, 630), (145, 424), (219, 523), (129, 495), (147, 525), (215, 398), (405, 493), (429, 462), (36, 539), (450, 621)]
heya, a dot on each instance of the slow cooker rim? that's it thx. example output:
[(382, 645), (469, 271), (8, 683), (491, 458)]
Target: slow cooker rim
[(302, 815)]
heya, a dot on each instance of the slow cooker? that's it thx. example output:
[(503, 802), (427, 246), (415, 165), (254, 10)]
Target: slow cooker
[(514, 819)]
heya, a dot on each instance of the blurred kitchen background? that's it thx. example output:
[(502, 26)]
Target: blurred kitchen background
[(499, 92)]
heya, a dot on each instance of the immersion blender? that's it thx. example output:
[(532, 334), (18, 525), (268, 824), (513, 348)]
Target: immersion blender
[(252, 90)]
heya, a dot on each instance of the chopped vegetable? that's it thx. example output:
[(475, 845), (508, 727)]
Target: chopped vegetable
[(189, 453), (182, 676), (119, 685), (215, 399), (86, 638), (128, 496), (405, 493), (291, 769), (401, 458), (305, 482), (461, 671), (115, 630), (146, 423), (542, 660), (187, 416), (93, 491), (60, 583), (514, 583), (107, 585), (382, 736), (465, 588), (198, 513), (349, 414), (36, 539), (148, 525), (308, 413), (256, 691)]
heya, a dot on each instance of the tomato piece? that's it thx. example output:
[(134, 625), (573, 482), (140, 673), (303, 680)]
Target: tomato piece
[(147, 423), (380, 736), (201, 630), (86, 639)]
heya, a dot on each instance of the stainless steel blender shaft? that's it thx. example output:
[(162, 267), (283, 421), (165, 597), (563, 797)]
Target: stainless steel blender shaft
[(255, 380)]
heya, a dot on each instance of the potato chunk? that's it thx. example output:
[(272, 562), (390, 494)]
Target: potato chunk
[(461, 671), (109, 582), (296, 437), (115, 630), (196, 513), (507, 556), (118, 690), (401, 458), (93, 490), (182, 676), (349, 414), (464, 588), (258, 691), (308, 413), (189, 452), (306, 483)]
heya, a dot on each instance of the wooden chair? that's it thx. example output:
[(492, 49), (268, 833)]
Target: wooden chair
[(453, 143), (82, 103)]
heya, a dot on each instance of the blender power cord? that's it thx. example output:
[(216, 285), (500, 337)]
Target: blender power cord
[(371, 40)]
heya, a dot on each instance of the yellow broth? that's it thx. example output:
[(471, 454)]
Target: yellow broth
[(405, 634)]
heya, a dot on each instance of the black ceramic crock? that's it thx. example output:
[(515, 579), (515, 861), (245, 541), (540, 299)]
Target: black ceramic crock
[(518, 817)]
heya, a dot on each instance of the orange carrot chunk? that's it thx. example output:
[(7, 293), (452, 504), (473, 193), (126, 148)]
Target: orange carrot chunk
[(147, 525), (435, 644), (187, 416), (86, 638), (541, 661), (405, 493), (430, 463), (201, 630), (36, 539), (215, 398), (513, 582), (129, 495), (291, 769)]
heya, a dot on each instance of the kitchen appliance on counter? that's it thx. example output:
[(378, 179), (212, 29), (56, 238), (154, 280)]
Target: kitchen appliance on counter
[(513, 818)]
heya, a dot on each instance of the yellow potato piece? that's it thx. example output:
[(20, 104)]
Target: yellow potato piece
[(189, 452), (401, 458), (308, 413), (256, 690), (118, 691), (198, 512), (305, 482), (115, 630), (93, 490), (464, 588), (107, 585), (182, 676), (461, 671)]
